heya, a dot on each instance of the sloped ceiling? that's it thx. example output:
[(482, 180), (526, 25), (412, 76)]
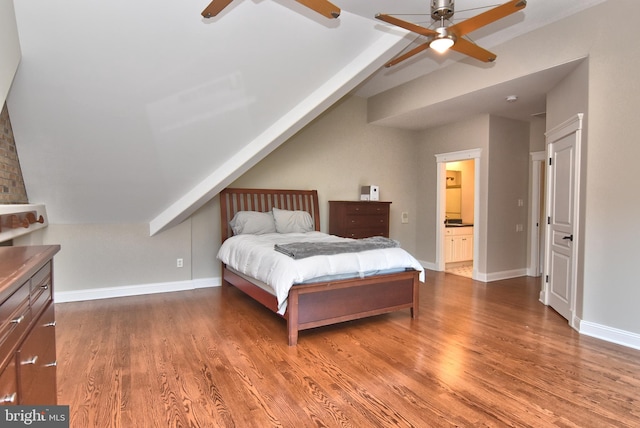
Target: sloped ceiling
[(129, 112)]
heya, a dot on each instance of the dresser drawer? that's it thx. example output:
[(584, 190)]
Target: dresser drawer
[(36, 361), (367, 221), (15, 317), (9, 385), (367, 208), (13, 302), (365, 233), (40, 291)]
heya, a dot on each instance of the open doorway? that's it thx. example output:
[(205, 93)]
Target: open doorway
[(458, 225), (459, 214)]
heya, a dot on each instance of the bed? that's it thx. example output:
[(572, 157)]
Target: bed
[(313, 304)]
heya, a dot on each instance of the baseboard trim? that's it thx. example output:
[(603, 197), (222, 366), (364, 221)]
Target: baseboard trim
[(610, 334), (484, 277), (134, 290), (428, 265), (497, 276)]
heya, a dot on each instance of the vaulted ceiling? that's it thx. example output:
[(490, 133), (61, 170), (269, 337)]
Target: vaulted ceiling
[(129, 112)]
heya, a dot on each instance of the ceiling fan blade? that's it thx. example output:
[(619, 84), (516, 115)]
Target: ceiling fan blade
[(408, 55), (215, 7), (485, 18), (406, 25), (323, 7), (464, 46)]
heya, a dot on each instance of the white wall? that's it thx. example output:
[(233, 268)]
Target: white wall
[(9, 48)]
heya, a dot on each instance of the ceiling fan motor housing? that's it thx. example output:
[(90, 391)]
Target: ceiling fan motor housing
[(441, 9)]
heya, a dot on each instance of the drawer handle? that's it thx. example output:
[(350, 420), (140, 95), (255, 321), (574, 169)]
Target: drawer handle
[(30, 361), (9, 398), (45, 286), (18, 320), (50, 324), (54, 364)]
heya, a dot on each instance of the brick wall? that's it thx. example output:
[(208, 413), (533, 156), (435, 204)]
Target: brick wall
[(12, 190)]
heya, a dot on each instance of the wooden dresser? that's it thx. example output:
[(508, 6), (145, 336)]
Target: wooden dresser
[(27, 326), (359, 219)]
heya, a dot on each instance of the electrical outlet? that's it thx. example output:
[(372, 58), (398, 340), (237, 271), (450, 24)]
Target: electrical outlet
[(519, 228), (405, 217), (180, 263)]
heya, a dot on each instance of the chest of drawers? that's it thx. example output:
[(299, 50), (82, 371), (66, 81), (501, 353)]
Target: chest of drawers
[(27, 326), (355, 219)]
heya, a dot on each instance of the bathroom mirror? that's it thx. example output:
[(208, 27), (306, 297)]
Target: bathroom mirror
[(454, 195)]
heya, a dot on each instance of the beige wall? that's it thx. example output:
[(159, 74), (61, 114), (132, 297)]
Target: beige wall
[(205, 240), (503, 180), (338, 153), (94, 256), (508, 183), (469, 134), (115, 255)]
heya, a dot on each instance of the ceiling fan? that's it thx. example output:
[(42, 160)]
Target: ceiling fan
[(323, 7), (451, 37)]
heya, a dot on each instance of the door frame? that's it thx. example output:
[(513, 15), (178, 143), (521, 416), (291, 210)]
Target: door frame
[(535, 236), (442, 159), (571, 126)]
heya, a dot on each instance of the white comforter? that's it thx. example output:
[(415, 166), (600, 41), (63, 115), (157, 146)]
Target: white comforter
[(254, 255)]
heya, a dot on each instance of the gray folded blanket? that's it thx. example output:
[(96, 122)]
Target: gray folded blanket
[(301, 250)]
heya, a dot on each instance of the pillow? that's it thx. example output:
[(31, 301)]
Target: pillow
[(252, 222), (292, 221)]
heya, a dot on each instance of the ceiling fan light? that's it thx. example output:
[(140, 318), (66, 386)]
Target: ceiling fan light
[(441, 44)]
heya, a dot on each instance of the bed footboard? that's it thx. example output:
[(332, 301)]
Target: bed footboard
[(322, 304)]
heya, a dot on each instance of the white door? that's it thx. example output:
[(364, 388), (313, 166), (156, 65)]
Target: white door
[(562, 191)]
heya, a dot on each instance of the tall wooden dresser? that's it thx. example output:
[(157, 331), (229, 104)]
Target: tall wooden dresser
[(359, 219), (27, 326)]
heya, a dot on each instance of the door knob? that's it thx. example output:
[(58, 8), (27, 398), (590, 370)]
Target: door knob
[(570, 237)]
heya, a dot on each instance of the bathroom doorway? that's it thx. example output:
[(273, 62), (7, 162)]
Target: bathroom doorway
[(458, 225), (459, 215)]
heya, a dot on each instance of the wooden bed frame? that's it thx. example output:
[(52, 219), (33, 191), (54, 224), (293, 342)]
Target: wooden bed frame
[(318, 304)]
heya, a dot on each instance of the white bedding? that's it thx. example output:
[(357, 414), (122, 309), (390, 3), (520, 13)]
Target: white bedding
[(254, 255)]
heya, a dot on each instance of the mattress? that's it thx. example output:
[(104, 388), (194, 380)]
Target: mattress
[(254, 256)]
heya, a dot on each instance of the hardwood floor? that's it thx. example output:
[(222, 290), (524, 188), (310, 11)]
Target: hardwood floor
[(479, 355)]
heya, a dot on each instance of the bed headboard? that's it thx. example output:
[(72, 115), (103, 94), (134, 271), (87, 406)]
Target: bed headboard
[(234, 200)]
